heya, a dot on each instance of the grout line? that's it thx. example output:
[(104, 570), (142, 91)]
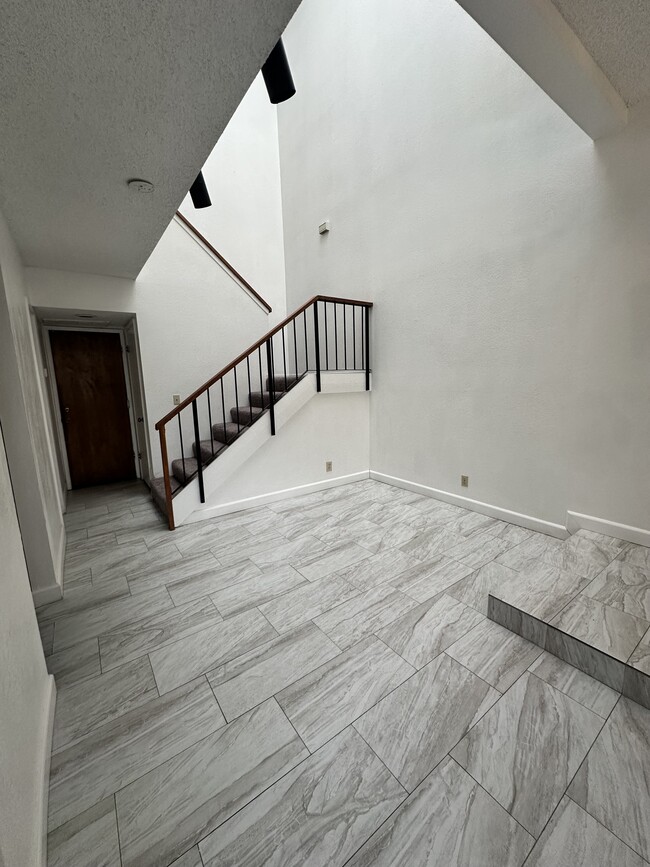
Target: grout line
[(602, 825), (207, 680), (117, 825), (293, 727)]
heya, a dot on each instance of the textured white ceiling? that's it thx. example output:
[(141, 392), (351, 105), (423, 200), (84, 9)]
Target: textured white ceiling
[(95, 93), (617, 35)]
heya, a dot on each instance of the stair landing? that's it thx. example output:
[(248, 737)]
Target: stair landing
[(587, 601)]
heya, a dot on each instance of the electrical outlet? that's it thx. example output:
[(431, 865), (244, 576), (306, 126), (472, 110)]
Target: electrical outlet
[(176, 399), (328, 466), (464, 481)]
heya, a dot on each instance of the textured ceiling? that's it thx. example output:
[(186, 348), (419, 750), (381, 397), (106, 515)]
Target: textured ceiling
[(95, 93), (617, 35)]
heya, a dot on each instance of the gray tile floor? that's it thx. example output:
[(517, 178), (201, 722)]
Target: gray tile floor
[(316, 682)]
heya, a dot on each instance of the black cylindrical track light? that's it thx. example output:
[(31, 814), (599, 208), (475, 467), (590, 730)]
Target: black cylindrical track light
[(199, 193), (277, 75)]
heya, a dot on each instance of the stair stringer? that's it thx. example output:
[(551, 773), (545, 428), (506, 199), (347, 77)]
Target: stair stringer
[(187, 502)]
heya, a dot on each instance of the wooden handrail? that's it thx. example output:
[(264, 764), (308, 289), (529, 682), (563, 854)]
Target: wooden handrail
[(206, 385), (223, 260)]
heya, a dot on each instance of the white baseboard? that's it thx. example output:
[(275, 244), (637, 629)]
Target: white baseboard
[(44, 595), (45, 763), (575, 522), (526, 521), (274, 497)]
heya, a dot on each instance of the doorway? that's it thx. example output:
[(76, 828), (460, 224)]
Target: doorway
[(94, 406)]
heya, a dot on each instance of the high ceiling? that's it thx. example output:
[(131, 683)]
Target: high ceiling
[(95, 93), (617, 35)]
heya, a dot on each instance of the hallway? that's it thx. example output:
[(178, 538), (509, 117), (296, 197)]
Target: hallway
[(316, 681)]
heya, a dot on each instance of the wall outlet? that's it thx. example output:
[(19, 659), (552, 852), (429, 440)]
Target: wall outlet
[(328, 466), (464, 481), (176, 399)]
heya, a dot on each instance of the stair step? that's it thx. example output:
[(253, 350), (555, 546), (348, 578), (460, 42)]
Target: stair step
[(226, 433), (245, 414), (158, 492), (260, 398), (186, 472), (281, 383), (209, 449)]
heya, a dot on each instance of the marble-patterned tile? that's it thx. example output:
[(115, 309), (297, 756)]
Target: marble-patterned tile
[(324, 702), (472, 523), (415, 726), (204, 535), (640, 658), (478, 550), (527, 747), (318, 814), (293, 552), (182, 800), (437, 540), (295, 525), (81, 517), (84, 597), (157, 557), (430, 578), (448, 820), (256, 590), (87, 705), (139, 637), (121, 751), (517, 621), (573, 838), (242, 683), (613, 784), (529, 552), (192, 858), (474, 589), (636, 685), (587, 658), (304, 603), (608, 629), (265, 548), (102, 560), (369, 612), (88, 840), (623, 586), (586, 690), (342, 530), (584, 553), (388, 536), (94, 621), (75, 664), (426, 630), (211, 581), (636, 555), (47, 637), (177, 570), (123, 520), (377, 569), (77, 580), (75, 535), (197, 653), (334, 559), (543, 590), (495, 654), (510, 533)]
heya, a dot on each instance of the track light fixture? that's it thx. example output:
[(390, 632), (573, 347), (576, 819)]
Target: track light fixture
[(199, 193), (277, 75)]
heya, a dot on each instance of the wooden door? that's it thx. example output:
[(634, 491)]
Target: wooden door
[(94, 406)]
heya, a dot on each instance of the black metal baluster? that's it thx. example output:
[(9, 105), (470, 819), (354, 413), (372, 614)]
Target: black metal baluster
[(259, 355), (363, 344), (354, 337), (304, 321), (284, 361), (197, 447), (295, 347), (223, 409), (236, 399), (248, 369), (210, 420), (345, 337), (269, 364), (180, 431), (367, 317), (336, 336), (317, 343), (327, 339)]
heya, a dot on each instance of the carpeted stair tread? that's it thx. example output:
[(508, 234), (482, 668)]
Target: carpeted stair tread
[(209, 449), (281, 383), (245, 414), (261, 399), (226, 433), (184, 470)]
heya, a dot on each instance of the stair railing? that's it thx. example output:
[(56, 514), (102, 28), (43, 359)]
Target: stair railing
[(325, 334)]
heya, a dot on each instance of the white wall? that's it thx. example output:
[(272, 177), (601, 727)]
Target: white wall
[(27, 433), (192, 317), (507, 256), (25, 695), (243, 178)]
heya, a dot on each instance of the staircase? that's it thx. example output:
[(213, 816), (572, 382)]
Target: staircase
[(325, 334)]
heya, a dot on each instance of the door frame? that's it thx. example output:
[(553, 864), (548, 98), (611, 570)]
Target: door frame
[(51, 376)]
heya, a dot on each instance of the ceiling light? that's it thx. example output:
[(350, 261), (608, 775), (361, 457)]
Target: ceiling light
[(140, 186), (277, 75), (199, 193)]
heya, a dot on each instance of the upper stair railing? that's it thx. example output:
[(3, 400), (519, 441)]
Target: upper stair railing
[(325, 334)]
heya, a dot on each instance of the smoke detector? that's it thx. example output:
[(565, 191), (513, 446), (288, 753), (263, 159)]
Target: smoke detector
[(140, 186)]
